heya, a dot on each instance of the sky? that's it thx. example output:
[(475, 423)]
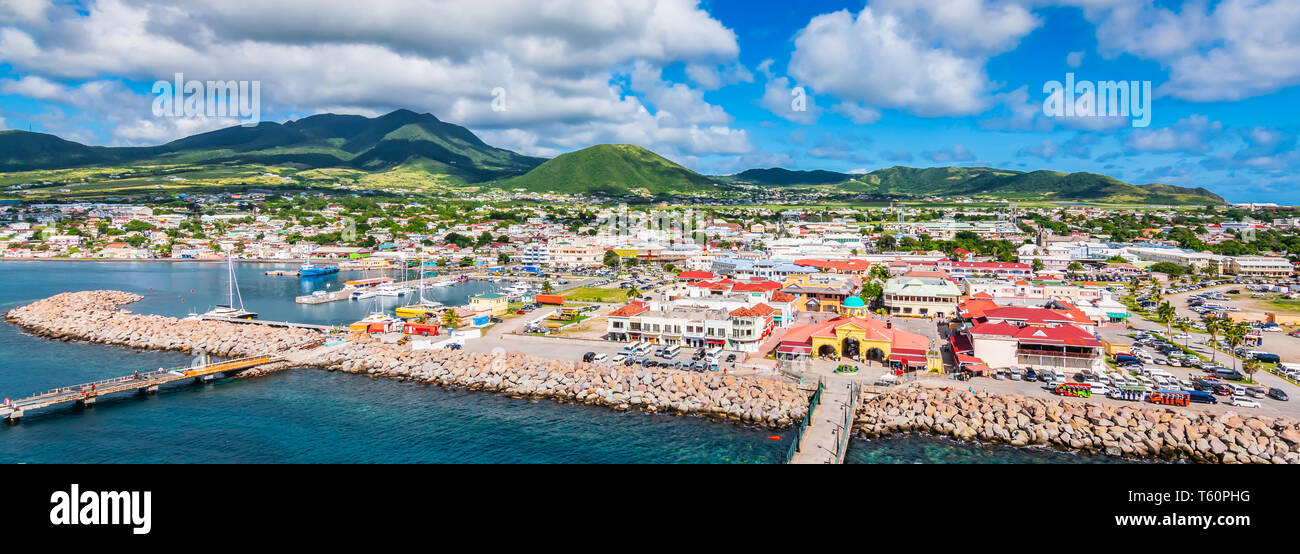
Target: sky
[(716, 85)]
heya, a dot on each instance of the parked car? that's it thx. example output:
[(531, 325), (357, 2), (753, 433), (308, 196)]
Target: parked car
[(1277, 394), (588, 356), (1244, 402), (731, 357)]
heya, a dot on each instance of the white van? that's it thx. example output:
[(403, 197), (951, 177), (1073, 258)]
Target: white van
[(600, 357), (671, 351)]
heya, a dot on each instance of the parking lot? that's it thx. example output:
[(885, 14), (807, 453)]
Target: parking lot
[(569, 349)]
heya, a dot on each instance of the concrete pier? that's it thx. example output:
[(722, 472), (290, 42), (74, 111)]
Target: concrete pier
[(826, 439)]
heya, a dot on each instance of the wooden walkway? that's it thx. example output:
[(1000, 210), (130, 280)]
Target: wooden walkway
[(145, 382)]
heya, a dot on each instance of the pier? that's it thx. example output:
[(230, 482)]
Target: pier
[(826, 438), (283, 324), (84, 394)]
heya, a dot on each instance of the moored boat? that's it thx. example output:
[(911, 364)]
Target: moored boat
[(311, 270)]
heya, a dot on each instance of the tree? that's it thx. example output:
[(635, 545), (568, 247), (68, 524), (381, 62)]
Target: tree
[(547, 288), (503, 258), (1075, 266), (1234, 333), (879, 271), (1214, 326), (611, 259), (1184, 325), (1249, 367), (1038, 265), (450, 319), (871, 291), (466, 262), (632, 293), (1166, 312)]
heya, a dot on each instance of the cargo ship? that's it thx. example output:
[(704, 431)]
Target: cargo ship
[(310, 270)]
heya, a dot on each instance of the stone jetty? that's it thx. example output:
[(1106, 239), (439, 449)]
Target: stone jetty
[(98, 317), (1136, 431)]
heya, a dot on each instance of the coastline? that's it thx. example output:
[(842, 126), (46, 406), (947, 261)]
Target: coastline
[(97, 317), (1138, 431)]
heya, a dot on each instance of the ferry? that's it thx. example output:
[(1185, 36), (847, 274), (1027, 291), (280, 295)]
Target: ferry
[(310, 270)]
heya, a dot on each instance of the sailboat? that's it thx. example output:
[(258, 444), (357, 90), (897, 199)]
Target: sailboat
[(229, 310), (421, 307)]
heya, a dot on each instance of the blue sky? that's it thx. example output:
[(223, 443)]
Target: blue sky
[(707, 84)]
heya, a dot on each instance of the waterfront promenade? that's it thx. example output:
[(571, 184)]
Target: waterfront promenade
[(822, 442)]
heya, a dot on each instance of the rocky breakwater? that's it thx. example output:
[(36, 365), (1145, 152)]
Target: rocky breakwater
[(750, 400), (96, 316), (1137, 431)]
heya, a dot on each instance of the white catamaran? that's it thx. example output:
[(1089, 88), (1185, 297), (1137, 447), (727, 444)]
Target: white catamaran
[(229, 310)]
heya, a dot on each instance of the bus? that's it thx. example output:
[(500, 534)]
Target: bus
[(672, 351)]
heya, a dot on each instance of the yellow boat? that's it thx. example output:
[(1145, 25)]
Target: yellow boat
[(427, 309)]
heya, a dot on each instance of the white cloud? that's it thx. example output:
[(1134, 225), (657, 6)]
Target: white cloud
[(1237, 49), (1190, 134), (926, 57), (710, 77), (857, 113), (1074, 59), (779, 97), (957, 153), (561, 62), (26, 11)]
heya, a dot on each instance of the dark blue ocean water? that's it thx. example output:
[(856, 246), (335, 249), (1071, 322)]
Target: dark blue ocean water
[(316, 416)]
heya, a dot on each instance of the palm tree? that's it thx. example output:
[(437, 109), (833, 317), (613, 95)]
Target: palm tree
[(1250, 366), (1166, 312), (1214, 326), (1184, 325), (546, 287), (1234, 334), (450, 319)]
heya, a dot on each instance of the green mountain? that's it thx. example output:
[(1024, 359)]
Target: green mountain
[(21, 150), (1048, 186), (400, 138), (613, 169), (776, 176)]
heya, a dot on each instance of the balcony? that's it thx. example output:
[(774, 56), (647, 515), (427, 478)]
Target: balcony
[(1055, 353)]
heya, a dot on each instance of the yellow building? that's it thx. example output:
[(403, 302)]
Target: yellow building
[(491, 302), (857, 338)]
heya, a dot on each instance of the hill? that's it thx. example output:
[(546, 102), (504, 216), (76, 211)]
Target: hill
[(396, 139), (1042, 185), (776, 176), (613, 169)]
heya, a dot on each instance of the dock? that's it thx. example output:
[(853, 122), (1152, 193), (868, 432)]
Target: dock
[(144, 382), (825, 439), (285, 324)]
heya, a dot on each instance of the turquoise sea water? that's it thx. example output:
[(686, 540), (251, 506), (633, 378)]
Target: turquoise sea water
[(316, 416)]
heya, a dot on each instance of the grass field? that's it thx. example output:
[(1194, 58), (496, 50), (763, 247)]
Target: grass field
[(595, 294)]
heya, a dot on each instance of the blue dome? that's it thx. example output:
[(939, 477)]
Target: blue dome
[(854, 302)]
